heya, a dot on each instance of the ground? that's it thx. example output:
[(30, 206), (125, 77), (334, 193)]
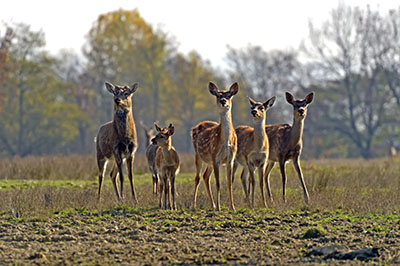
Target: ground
[(126, 235), (60, 222)]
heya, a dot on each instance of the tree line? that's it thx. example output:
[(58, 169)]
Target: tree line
[(55, 103)]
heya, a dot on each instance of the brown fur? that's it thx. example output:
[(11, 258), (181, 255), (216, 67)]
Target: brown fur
[(167, 163), (151, 161), (117, 139), (286, 144), (253, 149), (216, 144), (149, 133)]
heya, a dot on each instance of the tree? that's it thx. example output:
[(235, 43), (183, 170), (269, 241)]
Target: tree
[(189, 95), (71, 71), (37, 115), (352, 89), (265, 74), (5, 42), (123, 48)]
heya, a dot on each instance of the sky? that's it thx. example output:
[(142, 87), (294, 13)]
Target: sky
[(207, 26)]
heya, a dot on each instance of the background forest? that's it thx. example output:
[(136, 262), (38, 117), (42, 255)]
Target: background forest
[(54, 104)]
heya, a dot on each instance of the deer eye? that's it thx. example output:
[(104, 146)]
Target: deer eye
[(260, 108)]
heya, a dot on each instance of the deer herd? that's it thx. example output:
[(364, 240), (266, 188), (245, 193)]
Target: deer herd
[(257, 147)]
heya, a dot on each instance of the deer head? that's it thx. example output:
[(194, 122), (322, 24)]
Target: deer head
[(148, 131), (122, 95), (224, 97), (163, 137), (259, 110), (300, 106)]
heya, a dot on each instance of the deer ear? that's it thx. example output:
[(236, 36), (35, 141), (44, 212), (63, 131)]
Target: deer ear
[(270, 102), (110, 87), (134, 87), (252, 102), (158, 128), (171, 129), (289, 97), (234, 89), (309, 97), (213, 88)]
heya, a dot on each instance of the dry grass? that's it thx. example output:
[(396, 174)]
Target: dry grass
[(69, 167), (356, 186), (49, 209)]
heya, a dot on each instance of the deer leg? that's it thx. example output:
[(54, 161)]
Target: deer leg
[(170, 193), (119, 162), (261, 171), (101, 163), (284, 179), (154, 183), (173, 191), (243, 177), (229, 172), (206, 179), (297, 166), (130, 176), (198, 164), (157, 183), (235, 166), (113, 175), (252, 184), (161, 193), (270, 165), (166, 191), (216, 174)]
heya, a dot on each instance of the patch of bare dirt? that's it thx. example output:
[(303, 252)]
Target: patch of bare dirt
[(127, 236)]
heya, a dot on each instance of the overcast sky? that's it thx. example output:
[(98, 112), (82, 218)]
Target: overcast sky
[(206, 26)]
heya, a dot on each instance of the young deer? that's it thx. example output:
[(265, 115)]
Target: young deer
[(216, 144), (151, 156), (286, 143), (253, 148), (117, 140), (167, 161)]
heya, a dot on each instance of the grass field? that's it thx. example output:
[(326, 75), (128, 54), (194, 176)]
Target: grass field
[(50, 215)]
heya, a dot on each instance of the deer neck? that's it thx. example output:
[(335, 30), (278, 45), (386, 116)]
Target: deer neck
[(260, 137), (124, 123), (166, 152), (226, 125), (297, 131), (148, 139)]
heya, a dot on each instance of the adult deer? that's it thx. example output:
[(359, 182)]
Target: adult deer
[(167, 162), (216, 144), (253, 148), (286, 144), (151, 156), (117, 140)]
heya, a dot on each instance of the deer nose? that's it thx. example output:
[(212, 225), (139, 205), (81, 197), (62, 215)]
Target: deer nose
[(253, 112), (153, 140), (117, 100), (301, 111), (222, 101)]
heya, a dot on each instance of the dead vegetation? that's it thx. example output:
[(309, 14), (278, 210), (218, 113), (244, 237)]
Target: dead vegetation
[(354, 205)]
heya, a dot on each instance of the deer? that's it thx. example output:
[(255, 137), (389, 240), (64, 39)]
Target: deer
[(149, 132), (216, 144), (167, 161), (253, 148), (116, 140), (286, 144), (151, 156)]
